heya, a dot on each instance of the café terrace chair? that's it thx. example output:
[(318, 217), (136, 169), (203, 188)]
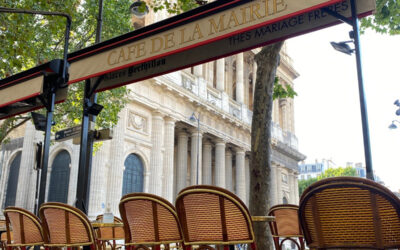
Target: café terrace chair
[(65, 226), (286, 226), (109, 234), (149, 220), (26, 228), (350, 212), (212, 216)]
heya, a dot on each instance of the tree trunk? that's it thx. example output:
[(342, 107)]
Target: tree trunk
[(260, 166)]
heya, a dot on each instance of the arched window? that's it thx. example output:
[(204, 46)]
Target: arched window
[(133, 175), (13, 181), (59, 179)]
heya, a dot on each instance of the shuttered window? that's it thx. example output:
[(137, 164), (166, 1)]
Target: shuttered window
[(59, 179), (133, 175)]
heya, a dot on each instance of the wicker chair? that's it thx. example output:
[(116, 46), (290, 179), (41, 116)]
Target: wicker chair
[(350, 212), (3, 235), (286, 225), (66, 226), (109, 234), (149, 220), (26, 228), (213, 216)]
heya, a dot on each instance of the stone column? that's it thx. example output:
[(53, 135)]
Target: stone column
[(168, 180), (207, 161), (220, 78), (198, 70), (247, 173), (156, 157), (239, 78), (254, 77), (274, 191), (296, 186), (279, 193), (116, 166), (228, 170), (195, 157), (26, 169), (240, 174), (181, 167), (220, 163)]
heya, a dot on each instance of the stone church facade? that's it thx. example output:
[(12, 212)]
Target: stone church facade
[(157, 148)]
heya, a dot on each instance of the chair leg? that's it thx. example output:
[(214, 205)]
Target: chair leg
[(276, 243), (302, 247)]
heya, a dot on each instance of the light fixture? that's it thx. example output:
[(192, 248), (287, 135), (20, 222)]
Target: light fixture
[(39, 121), (201, 2), (193, 118), (393, 126), (397, 103), (139, 9), (343, 47), (94, 109)]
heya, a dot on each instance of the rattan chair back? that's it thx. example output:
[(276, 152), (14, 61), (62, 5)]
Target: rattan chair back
[(286, 225), (110, 233), (213, 216), (26, 228), (149, 220), (350, 212), (65, 226)]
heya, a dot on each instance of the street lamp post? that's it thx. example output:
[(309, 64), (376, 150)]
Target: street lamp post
[(194, 118), (343, 47), (90, 110), (50, 98)]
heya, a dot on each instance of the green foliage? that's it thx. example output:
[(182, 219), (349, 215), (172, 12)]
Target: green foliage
[(331, 172), (386, 19), (303, 184), (173, 7), (281, 91), (29, 40)]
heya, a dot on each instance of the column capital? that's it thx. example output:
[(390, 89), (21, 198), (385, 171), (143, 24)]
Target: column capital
[(219, 141), (239, 150), (196, 131), (170, 119), (182, 133), (157, 113)]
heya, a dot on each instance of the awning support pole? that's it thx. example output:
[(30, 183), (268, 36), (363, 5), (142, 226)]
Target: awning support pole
[(355, 34)]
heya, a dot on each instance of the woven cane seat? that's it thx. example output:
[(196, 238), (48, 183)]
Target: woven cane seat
[(286, 225), (350, 212), (213, 216), (26, 228), (149, 220), (65, 226)]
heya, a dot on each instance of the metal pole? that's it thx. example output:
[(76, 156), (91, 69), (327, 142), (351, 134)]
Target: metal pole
[(91, 97), (198, 148), (81, 190), (46, 147), (363, 103)]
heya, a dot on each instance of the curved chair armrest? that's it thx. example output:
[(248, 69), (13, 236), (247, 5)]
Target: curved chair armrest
[(262, 218)]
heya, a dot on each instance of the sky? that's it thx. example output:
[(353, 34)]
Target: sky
[(327, 108)]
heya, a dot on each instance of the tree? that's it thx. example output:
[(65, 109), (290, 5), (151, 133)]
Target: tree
[(331, 172), (46, 37), (386, 19)]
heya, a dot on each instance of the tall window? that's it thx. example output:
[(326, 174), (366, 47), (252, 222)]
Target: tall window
[(133, 175), (13, 181), (59, 179)]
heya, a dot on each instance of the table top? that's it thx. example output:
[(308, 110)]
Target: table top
[(262, 218), (97, 224)]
